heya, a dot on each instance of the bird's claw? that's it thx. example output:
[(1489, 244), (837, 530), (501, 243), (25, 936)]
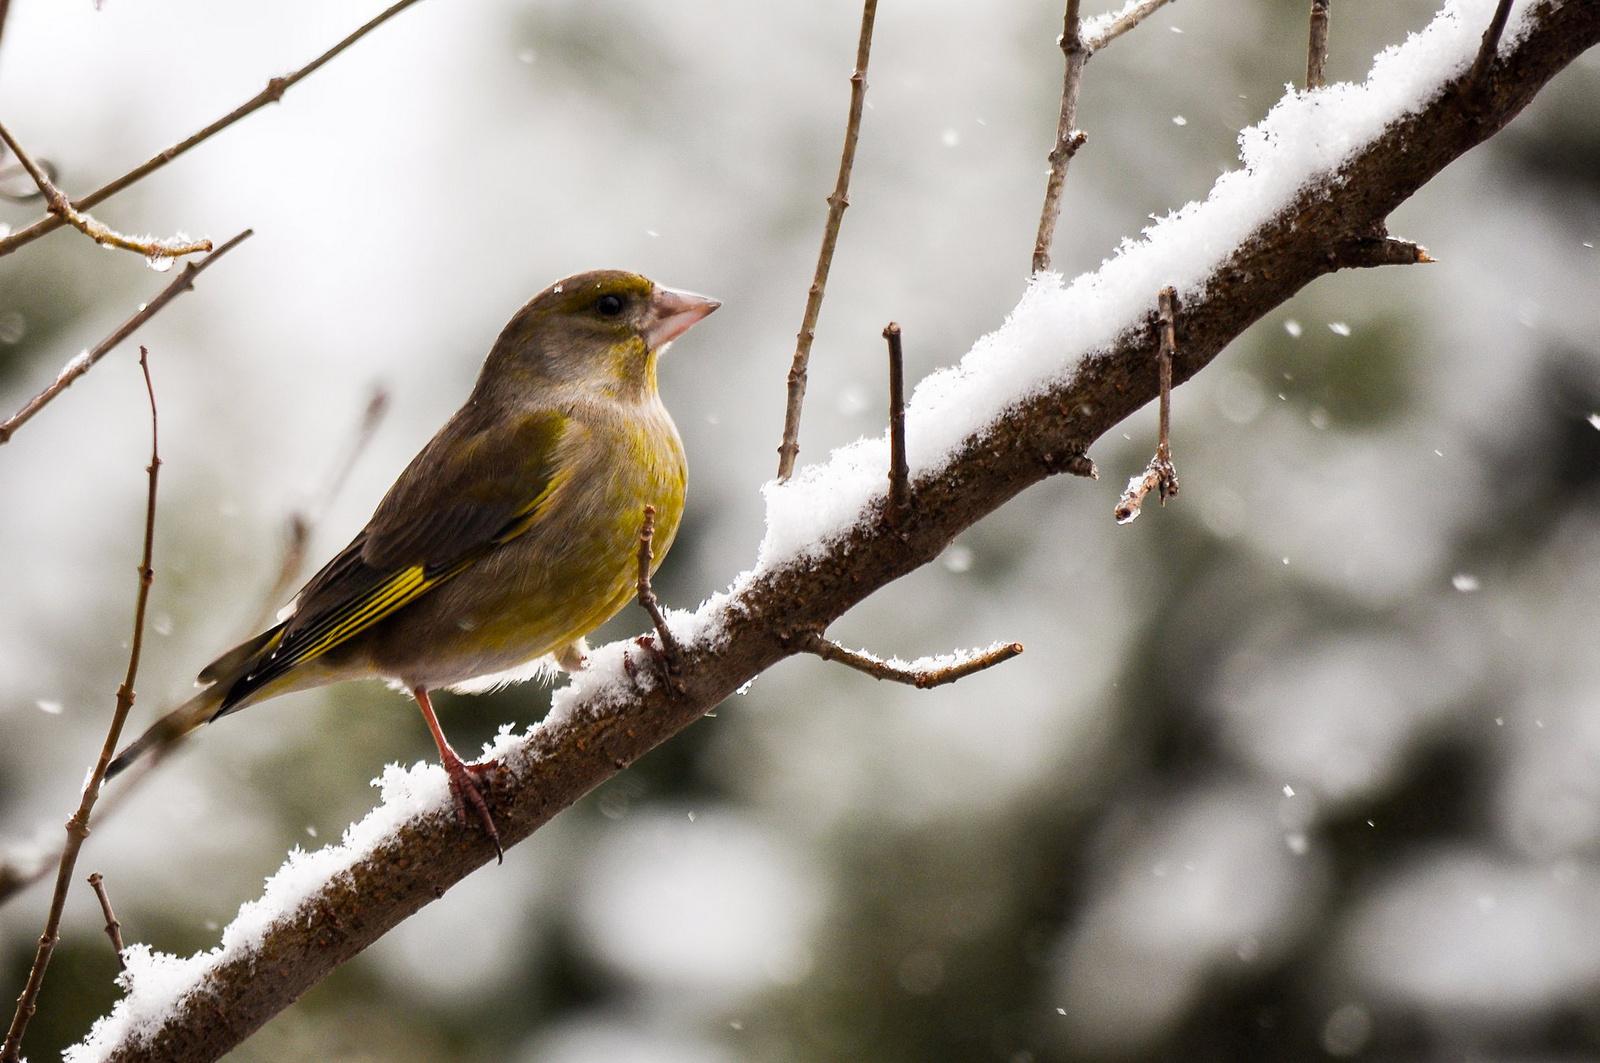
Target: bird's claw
[(467, 783)]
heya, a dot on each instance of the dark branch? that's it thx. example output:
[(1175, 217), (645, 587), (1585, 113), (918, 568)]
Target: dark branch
[(85, 361), (899, 472), (790, 447), (1478, 79)]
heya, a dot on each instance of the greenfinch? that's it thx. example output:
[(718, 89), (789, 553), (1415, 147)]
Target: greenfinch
[(510, 537)]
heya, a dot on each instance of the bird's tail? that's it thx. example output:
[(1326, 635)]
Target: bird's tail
[(165, 732)]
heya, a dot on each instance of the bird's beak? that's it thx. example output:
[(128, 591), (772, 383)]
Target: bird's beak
[(672, 313)]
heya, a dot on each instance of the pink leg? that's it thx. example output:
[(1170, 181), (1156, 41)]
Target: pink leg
[(463, 786)]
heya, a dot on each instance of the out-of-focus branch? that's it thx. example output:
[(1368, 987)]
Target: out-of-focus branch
[(78, 824), (271, 94), (157, 251), (1317, 46), (602, 729), (839, 200), (86, 360), (301, 523)]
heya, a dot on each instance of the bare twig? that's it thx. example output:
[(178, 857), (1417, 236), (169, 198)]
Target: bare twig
[(839, 200), (97, 882), (5, 7), (1159, 475), (1317, 48), (922, 678), (670, 650), (1068, 138), (78, 824), (60, 206), (1478, 78), (84, 361), (271, 94), (1105, 30), (302, 522), (899, 472)]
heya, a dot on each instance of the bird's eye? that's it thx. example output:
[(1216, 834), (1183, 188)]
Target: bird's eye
[(608, 305)]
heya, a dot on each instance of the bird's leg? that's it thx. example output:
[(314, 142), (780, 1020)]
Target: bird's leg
[(464, 788)]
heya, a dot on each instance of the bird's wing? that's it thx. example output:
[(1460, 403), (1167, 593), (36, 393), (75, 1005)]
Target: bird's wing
[(472, 489)]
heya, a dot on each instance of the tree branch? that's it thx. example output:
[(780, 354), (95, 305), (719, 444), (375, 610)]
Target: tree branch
[(271, 94), (85, 361), (790, 447), (1317, 46), (78, 824), (601, 725), (913, 674), (159, 252)]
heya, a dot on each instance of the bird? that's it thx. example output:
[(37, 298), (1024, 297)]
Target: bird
[(510, 537)]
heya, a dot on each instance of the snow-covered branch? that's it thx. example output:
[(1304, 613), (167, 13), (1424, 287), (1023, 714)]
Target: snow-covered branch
[(1319, 177)]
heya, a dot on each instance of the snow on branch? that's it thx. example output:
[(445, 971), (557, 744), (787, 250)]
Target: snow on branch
[(1323, 170)]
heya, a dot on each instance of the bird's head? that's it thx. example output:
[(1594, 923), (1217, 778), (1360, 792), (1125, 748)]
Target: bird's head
[(601, 330)]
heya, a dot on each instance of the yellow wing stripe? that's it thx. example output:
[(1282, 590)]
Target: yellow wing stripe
[(391, 595)]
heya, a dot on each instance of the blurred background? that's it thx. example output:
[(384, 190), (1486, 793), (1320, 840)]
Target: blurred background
[(1306, 764)]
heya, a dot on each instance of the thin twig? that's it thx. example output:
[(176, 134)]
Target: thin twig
[(1104, 31), (302, 522), (97, 882), (99, 232), (790, 447), (1160, 475), (271, 94), (922, 678), (1479, 77), (670, 650), (84, 361), (1317, 48), (1068, 138), (899, 471), (78, 825)]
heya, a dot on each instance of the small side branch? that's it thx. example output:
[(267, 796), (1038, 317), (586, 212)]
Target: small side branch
[(85, 361), (1372, 251), (97, 882), (1068, 137), (1107, 28), (840, 199), (922, 678), (1317, 49), (271, 94), (899, 471), (60, 206), (78, 825), (670, 650), (1160, 475), (1478, 79)]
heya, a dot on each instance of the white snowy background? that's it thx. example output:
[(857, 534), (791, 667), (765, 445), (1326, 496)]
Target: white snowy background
[(1304, 764)]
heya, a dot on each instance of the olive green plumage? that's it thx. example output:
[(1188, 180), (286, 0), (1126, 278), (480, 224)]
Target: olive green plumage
[(512, 535)]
